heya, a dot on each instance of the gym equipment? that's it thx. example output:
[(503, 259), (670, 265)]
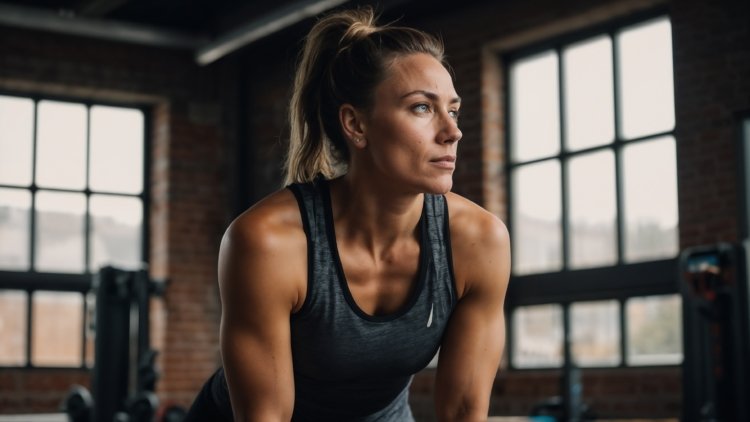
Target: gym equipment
[(124, 374), (716, 333)]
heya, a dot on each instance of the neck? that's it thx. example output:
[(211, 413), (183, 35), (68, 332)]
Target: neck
[(373, 215)]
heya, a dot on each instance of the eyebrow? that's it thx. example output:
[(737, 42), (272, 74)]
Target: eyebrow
[(431, 95)]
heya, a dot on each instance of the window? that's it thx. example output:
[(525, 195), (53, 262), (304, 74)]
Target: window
[(72, 200), (593, 198)]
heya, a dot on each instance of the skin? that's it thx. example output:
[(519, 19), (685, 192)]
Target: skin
[(400, 148)]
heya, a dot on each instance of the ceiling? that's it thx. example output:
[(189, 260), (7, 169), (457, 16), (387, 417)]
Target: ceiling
[(211, 28), (206, 17)]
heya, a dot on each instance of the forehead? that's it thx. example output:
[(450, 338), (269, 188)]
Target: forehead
[(416, 72)]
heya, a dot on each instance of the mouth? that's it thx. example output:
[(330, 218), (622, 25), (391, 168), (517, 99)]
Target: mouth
[(446, 161)]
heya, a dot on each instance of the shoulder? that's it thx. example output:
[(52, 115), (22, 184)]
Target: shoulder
[(472, 226), (271, 223), (472, 220), (479, 240), (264, 249)]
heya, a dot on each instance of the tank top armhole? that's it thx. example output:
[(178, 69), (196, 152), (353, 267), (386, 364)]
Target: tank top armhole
[(449, 251), (298, 195)]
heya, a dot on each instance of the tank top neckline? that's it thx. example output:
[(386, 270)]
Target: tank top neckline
[(422, 265)]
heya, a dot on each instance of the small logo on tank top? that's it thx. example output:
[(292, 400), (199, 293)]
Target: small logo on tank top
[(429, 320)]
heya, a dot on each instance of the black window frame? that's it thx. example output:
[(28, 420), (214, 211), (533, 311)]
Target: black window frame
[(31, 281), (621, 281)]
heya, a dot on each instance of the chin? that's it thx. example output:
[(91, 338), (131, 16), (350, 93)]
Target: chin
[(440, 186)]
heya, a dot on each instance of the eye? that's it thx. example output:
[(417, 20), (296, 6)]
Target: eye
[(455, 113), (422, 108)]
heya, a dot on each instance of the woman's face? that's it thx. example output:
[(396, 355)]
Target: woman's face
[(411, 130)]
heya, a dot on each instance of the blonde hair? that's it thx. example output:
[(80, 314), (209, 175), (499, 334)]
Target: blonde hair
[(345, 56)]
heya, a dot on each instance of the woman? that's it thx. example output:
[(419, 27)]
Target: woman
[(336, 290)]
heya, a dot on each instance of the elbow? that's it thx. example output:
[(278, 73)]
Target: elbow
[(263, 418), (262, 415), (463, 411)]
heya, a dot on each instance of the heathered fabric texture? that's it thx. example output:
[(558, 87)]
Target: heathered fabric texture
[(351, 366)]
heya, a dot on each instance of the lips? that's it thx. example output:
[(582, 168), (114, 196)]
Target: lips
[(445, 158), (446, 162)]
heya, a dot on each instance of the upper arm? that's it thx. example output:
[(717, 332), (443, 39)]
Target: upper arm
[(258, 294), (475, 336)]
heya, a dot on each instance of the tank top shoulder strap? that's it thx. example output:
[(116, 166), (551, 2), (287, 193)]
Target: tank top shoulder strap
[(438, 231), (310, 203), (310, 198)]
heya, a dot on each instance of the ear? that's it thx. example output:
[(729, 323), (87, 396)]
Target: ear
[(353, 125)]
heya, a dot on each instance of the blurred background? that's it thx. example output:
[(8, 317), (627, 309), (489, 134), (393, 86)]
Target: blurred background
[(610, 135)]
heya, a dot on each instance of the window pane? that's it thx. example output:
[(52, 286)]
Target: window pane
[(589, 97), (592, 210), (60, 232), (15, 229), (535, 107), (538, 336), (650, 200), (646, 86), (536, 211), (16, 135), (58, 329), (116, 150), (61, 145), (12, 328), (595, 333), (116, 225), (654, 330)]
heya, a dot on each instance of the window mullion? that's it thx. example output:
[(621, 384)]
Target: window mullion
[(623, 332), (87, 192), (145, 194), (563, 162), (84, 336), (29, 325), (32, 229), (617, 146), (33, 189), (568, 362)]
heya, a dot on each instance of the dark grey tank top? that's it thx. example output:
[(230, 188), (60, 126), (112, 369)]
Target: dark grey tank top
[(351, 366)]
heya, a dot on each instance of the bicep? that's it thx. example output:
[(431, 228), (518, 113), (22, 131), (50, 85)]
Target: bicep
[(255, 333), (475, 337)]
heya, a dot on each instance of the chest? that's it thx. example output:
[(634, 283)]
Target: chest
[(336, 340), (372, 323), (381, 286)]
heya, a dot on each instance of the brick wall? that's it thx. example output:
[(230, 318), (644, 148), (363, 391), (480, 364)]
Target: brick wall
[(712, 64), (192, 128)]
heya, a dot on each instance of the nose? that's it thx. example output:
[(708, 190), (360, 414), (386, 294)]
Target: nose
[(449, 131)]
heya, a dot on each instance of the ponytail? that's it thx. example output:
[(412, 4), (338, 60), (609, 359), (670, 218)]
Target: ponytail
[(345, 56)]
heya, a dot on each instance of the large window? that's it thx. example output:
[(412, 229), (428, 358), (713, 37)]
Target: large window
[(593, 195), (72, 200)]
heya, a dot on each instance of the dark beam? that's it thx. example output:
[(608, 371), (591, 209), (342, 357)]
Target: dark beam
[(261, 27), (43, 20), (98, 8)]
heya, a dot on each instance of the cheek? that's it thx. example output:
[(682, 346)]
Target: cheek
[(399, 144)]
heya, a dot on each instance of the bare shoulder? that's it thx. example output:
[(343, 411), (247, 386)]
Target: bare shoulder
[(479, 240), (271, 222), (472, 222), (263, 251)]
